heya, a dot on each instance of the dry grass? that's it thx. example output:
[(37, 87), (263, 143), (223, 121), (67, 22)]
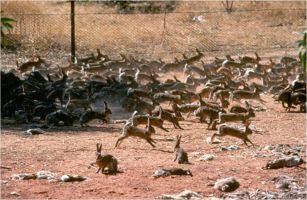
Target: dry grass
[(62, 7), (143, 34)]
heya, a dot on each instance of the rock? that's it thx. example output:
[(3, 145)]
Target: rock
[(45, 175), (265, 194), (284, 149), (186, 194), (241, 195), (39, 175), (207, 157), (72, 178), (199, 18), (259, 108), (291, 161), (15, 193), (230, 148), (283, 185), (24, 176), (269, 148), (298, 193), (227, 185), (283, 182), (275, 164)]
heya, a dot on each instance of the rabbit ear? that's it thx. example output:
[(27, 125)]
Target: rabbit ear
[(97, 145), (177, 143), (257, 55), (100, 146), (247, 104), (179, 137), (105, 103), (176, 140), (160, 112)]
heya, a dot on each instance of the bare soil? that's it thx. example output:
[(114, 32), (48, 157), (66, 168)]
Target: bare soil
[(71, 150)]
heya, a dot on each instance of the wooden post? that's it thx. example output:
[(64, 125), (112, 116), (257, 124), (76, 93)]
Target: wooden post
[(72, 23)]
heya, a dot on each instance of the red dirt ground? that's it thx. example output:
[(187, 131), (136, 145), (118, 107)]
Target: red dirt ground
[(69, 151)]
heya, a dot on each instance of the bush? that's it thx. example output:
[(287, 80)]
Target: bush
[(142, 6), (302, 50), (6, 27)]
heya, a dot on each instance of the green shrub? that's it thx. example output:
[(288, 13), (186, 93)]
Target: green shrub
[(302, 50), (6, 27)]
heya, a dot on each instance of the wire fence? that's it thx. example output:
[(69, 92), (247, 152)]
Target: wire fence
[(163, 34)]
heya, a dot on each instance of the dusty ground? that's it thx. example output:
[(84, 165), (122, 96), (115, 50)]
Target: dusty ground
[(69, 151)]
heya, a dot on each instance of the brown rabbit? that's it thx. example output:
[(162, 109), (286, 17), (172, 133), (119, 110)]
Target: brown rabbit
[(130, 130), (91, 115), (239, 109), (180, 154), (28, 65), (104, 161), (224, 130), (142, 119)]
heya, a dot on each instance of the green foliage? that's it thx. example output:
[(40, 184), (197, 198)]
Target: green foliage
[(302, 50), (6, 27)]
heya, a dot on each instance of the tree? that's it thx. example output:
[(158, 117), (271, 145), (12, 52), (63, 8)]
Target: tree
[(302, 51), (6, 27)]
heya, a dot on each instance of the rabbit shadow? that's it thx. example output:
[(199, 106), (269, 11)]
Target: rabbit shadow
[(153, 149), (54, 129)]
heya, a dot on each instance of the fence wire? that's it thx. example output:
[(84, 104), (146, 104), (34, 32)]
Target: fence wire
[(163, 34)]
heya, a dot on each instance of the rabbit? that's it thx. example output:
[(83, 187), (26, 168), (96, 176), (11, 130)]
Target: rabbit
[(204, 112), (54, 118), (30, 64), (142, 119), (169, 117), (230, 117), (104, 161), (130, 130), (240, 109), (245, 94), (224, 130), (180, 154), (91, 115), (172, 171)]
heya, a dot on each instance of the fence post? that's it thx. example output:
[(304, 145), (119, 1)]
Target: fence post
[(72, 23)]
